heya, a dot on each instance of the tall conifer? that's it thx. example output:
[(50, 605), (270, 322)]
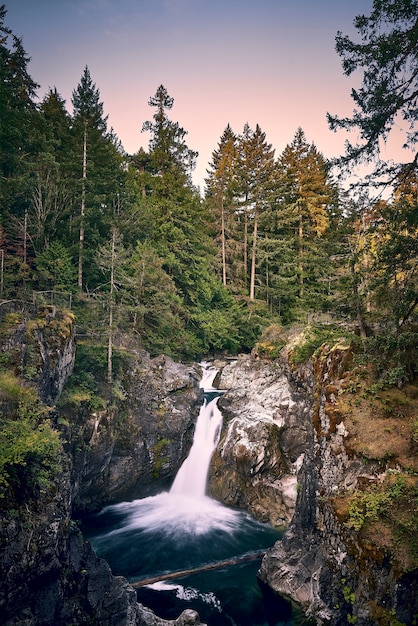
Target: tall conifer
[(221, 197)]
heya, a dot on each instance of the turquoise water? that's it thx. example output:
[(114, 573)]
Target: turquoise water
[(166, 533), (183, 529)]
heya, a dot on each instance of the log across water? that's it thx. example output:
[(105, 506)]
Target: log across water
[(250, 556)]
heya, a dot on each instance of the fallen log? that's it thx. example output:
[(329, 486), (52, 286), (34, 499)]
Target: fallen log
[(235, 560)]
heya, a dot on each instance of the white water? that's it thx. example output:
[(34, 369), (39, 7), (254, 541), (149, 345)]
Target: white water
[(184, 529), (185, 509), (192, 476), (208, 376)]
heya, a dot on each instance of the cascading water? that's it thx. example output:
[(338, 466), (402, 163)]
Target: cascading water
[(192, 476), (184, 530)]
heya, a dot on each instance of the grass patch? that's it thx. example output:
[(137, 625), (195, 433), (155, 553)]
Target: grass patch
[(386, 515), (311, 339)]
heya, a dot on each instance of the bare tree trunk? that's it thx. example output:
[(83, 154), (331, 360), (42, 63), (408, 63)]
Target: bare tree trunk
[(25, 238), (245, 258), (112, 284), (253, 257), (83, 211), (223, 242), (366, 266), (2, 273), (359, 310), (300, 255)]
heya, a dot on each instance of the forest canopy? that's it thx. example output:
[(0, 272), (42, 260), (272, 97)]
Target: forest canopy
[(130, 242)]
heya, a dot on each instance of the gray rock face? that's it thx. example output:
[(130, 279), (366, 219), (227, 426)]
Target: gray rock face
[(263, 440), (44, 351), (57, 363), (138, 447), (320, 563), (48, 574)]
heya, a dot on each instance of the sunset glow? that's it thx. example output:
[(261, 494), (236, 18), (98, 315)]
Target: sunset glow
[(272, 62)]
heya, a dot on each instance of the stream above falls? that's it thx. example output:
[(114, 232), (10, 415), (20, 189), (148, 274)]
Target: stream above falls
[(182, 549)]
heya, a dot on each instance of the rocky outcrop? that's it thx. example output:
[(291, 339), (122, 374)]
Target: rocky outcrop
[(136, 446), (42, 351), (263, 440), (336, 573), (48, 574)]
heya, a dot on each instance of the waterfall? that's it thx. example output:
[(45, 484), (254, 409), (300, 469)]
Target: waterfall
[(182, 534), (192, 475), (186, 509)]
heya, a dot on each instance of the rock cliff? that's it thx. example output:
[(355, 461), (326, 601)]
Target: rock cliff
[(48, 574), (349, 554), (314, 447), (263, 440), (319, 447), (135, 446)]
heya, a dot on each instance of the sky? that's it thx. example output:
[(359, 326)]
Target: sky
[(266, 62)]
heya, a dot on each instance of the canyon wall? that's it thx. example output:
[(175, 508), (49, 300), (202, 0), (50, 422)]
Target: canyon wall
[(306, 444), (49, 574), (302, 445), (134, 447), (263, 440)]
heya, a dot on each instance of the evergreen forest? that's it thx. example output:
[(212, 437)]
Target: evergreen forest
[(144, 260)]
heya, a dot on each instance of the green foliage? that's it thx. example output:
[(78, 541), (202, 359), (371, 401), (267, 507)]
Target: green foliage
[(349, 596), (394, 504), (170, 156), (29, 446), (370, 505), (159, 459), (366, 506), (183, 278), (312, 338), (10, 387), (393, 357), (87, 380), (216, 331), (271, 342), (385, 53), (55, 268)]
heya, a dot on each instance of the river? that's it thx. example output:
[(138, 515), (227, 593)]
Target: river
[(165, 536)]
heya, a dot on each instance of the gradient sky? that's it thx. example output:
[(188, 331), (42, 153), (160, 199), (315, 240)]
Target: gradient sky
[(271, 62)]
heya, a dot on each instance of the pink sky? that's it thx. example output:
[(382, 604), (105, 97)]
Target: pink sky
[(270, 62)]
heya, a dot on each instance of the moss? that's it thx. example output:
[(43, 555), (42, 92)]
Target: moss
[(159, 459), (29, 446), (313, 338), (386, 516), (384, 617), (271, 342)]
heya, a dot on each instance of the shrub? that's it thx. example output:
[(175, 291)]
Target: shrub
[(29, 447), (312, 338)]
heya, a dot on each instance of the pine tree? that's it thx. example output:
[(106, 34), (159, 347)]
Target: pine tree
[(58, 122), (98, 158), (171, 158), (52, 187), (221, 198), (395, 270), (303, 194), (21, 141), (244, 177), (387, 56), (17, 114), (255, 171)]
